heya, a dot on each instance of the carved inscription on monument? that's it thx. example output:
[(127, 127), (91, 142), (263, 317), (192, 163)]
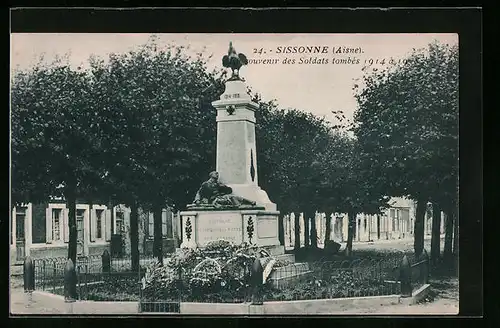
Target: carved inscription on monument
[(227, 226), (267, 227), (231, 152), (234, 96)]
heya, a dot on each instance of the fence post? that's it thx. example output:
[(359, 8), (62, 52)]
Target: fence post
[(44, 275), (405, 277), (425, 257), (29, 274), (78, 282), (256, 282), (54, 272), (106, 262), (69, 282)]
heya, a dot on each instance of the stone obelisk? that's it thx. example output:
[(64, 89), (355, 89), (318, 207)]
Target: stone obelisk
[(236, 145), (236, 164)]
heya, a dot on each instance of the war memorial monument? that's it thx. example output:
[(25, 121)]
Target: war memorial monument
[(230, 205)]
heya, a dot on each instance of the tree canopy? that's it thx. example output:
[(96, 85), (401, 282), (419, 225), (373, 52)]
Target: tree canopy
[(407, 128), (139, 128), (407, 124)]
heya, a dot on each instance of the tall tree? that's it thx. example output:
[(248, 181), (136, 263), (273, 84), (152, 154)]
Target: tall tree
[(329, 168), (158, 125), (53, 147), (407, 127), (436, 233), (286, 150), (448, 237)]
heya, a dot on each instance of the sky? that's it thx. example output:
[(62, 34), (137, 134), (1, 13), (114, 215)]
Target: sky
[(319, 88)]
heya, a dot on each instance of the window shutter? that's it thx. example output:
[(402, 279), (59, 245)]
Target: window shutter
[(93, 224), (107, 225), (65, 213), (174, 224), (48, 225)]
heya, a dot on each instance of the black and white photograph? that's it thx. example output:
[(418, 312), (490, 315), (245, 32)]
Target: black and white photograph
[(234, 173)]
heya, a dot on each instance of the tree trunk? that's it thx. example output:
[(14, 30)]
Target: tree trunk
[(455, 238), (70, 194), (448, 237), (72, 242), (419, 229), (351, 219), (455, 243), (158, 238), (314, 232), (134, 237), (436, 233), (328, 230), (306, 230), (297, 231), (281, 229), (378, 226)]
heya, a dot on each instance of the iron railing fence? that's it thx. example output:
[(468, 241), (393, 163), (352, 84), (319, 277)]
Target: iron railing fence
[(299, 281), (112, 279), (99, 277), (420, 271)]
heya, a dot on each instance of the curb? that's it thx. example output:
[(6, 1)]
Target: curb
[(417, 296), (300, 307)]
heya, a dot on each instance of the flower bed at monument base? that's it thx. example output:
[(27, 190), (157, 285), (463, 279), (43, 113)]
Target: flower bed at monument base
[(319, 285), (222, 273), (345, 286)]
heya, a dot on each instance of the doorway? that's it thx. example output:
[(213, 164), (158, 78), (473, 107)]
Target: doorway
[(20, 236)]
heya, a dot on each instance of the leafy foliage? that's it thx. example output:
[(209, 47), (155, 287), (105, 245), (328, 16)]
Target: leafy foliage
[(51, 146), (157, 136), (407, 129), (407, 124)]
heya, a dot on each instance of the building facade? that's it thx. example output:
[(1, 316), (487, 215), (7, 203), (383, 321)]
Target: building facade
[(395, 222), (42, 230)]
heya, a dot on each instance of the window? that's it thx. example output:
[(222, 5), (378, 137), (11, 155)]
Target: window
[(20, 221), (164, 223), (120, 228), (79, 224), (151, 225), (405, 214), (56, 223), (98, 219)]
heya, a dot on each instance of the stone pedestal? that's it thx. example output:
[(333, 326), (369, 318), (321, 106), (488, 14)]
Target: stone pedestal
[(255, 226), (236, 145)]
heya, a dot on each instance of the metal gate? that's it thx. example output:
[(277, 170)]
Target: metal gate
[(152, 300), (159, 307)]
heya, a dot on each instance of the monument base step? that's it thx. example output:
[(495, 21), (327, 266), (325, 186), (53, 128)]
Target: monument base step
[(286, 257), (290, 270), (275, 250), (289, 275)]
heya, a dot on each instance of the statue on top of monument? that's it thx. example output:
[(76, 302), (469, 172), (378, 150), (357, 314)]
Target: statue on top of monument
[(234, 61), (214, 193)]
